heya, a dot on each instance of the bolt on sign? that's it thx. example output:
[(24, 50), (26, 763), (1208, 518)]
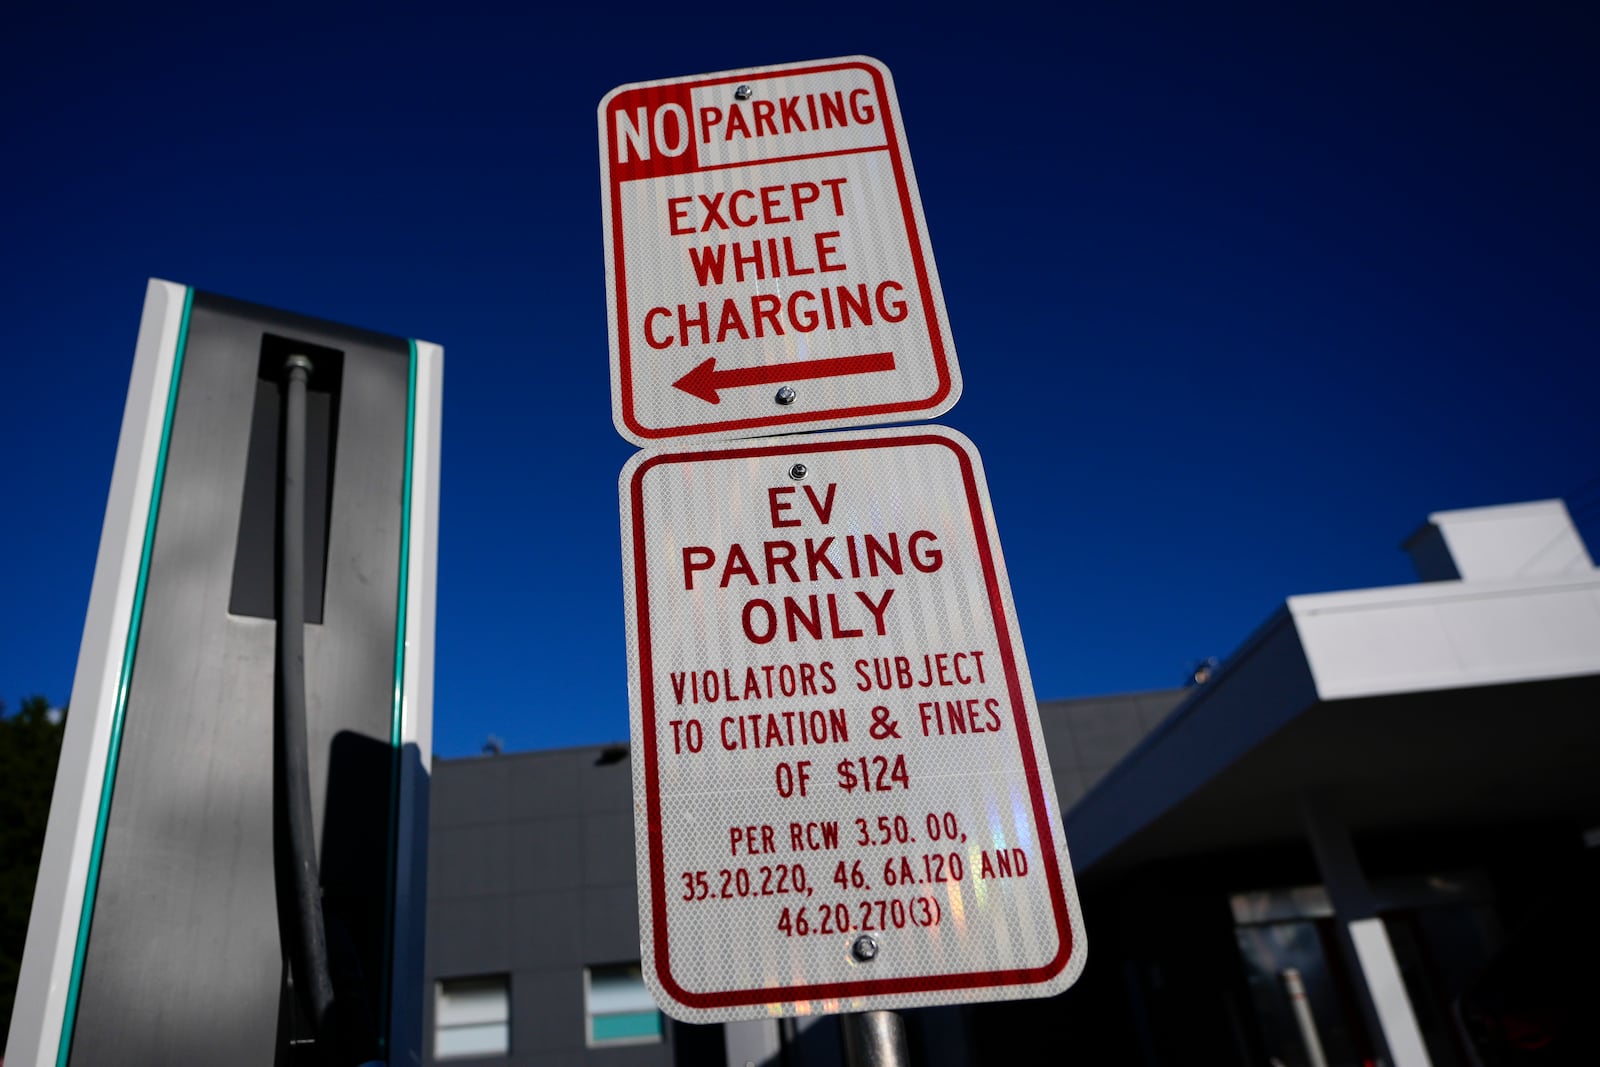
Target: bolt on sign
[(767, 262), (843, 800)]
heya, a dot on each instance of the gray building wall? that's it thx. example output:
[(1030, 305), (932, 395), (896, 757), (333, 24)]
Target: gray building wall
[(531, 875), (1087, 737)]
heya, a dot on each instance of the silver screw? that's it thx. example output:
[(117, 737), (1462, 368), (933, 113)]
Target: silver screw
[(785, 396), (797, 471), (865, 949), (743, 92)]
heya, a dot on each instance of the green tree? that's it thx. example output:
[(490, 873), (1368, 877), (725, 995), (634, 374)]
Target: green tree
[(30, 742)]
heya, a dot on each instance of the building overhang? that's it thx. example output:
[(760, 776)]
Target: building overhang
[(1433, 705)]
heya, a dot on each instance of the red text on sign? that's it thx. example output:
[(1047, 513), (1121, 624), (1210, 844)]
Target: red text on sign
[(941, 717), (743, 208), (760, 260), (813, 836), (788, 114), (800, 679), (865, 555), (941, 668), (754, 840), (767, 314)]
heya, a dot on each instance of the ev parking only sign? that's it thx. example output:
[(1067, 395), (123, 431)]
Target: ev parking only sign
[(767, 263), (844, 799)]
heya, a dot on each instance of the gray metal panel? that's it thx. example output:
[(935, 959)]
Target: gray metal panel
[(611, 925), (546, 854), (470, 861), (552, 1059), (470, 791), (633, 1055), (543, 934), (1058, 742), (469, 937), (1070, 783), (1103, 731), (547, 786), (608, 858), (184, 963), (1155, 707), (546, 1012), (1087, 737)]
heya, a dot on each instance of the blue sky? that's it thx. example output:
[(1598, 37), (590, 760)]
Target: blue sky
[(1239, 296)]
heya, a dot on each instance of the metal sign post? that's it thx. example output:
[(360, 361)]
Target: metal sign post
[(874, 1039), (767, 262), (846, 804)]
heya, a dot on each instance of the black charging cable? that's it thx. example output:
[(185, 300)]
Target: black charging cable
[(309, 953)]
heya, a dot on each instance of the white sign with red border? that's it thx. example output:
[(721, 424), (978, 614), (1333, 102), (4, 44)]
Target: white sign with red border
[(767, 262), (842, 796)]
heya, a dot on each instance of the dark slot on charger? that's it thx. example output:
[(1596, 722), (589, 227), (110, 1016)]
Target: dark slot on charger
[(255, 556)]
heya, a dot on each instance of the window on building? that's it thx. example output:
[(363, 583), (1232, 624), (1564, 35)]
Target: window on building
[(618, 1008), (472, 1017)]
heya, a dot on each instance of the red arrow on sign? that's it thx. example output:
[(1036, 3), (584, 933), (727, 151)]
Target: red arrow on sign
[(706, 379)]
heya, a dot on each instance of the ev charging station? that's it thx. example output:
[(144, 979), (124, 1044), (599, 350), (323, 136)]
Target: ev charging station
[(235, 866)]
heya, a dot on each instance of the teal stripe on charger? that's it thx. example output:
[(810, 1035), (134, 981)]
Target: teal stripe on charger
[(119, 709), (397, 706)]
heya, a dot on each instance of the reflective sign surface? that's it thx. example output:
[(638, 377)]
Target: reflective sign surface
[(842, 796), (767, 262)]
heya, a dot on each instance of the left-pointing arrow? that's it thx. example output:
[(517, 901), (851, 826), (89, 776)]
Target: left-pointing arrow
[(705, 380)]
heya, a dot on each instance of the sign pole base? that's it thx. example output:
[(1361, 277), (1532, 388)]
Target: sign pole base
[(874, 1039)]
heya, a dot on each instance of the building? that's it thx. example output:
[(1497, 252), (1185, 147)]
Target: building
[(1368, 837)]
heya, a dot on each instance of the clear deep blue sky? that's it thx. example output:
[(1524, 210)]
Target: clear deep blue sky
[(1240, 296)]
